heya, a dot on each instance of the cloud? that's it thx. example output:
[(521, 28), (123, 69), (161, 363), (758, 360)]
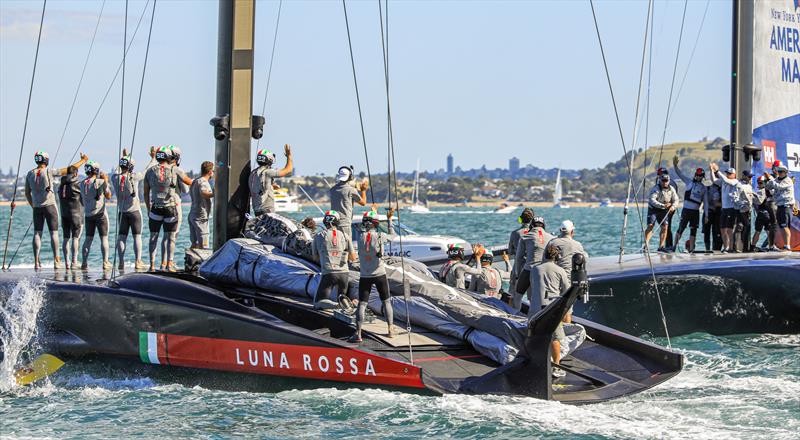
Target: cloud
[(59, 25)]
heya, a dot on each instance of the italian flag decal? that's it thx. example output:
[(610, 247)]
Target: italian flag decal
[(152, 347)]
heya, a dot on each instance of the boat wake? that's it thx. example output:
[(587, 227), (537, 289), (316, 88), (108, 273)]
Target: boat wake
[(18, 314)]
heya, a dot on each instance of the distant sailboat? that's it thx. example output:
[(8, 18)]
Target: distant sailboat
[(417, 207), (557, 193)]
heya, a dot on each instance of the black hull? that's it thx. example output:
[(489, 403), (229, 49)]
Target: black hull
[(717, 294), (181, 321)]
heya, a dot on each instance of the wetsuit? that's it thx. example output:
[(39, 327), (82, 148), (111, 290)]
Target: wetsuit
[(342, 196), (262, 195), (199, 213), (39, 187), (71, 203), (331, 248)]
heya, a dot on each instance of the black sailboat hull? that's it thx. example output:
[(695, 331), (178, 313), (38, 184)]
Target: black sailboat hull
[(182, 321), (717, 294)]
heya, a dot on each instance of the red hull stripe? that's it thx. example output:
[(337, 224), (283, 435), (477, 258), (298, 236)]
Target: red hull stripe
[(337, 364)]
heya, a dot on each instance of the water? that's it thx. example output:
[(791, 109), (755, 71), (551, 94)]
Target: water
[(745, 386)]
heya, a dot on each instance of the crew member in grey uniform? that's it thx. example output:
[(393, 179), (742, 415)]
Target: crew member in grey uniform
[(782, 188), (730, 191), (262, 180), (71, 203), (548, 282), (160, 184), (201, 194), (373, 273), (745, 201), (661, 202), (332, 249), (567, 245), (343, 194), (490, 279), (40, 195), (126, 187), (182, 188), (530, 252), (693, 197), (454, 270), (524, 219), (94, 192)]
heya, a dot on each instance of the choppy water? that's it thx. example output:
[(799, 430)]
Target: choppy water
[(745, 386)]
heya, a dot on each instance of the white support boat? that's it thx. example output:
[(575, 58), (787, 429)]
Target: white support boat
[(285, 202), (505, 208)]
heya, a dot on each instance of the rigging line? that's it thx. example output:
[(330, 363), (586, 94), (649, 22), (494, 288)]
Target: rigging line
[(640, 188), (384, 44), (630, 170), (80, 81), (111, 85), (635, 132), (24, 236), (393, 165), (691, 57), (135, 125), (24, 131), (358, 99), (271, 59), (672, 84)]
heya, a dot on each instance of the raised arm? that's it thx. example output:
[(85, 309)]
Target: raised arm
[(78, 164), (681, 176), (362, 199), (286, 170)]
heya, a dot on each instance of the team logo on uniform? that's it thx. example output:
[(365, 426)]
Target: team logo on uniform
[(793, 156)]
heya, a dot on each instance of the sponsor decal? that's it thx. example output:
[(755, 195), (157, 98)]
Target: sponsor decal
[(329, 363), (768, 150), (793, 156)]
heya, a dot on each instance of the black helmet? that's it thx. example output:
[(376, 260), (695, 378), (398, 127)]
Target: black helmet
[(487, 257), (127, 163), (163, 154), (265, 157), (331, 219), (538, 221), (92, 167), (455, 250)]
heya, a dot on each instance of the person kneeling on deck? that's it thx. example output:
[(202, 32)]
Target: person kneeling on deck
[(261, 181), (332, 249), (94, 192), (373, 273), (490, 279), (661, 203), (453, 271)]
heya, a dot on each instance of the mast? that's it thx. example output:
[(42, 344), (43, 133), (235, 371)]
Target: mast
[(233, 125), (741, 83)]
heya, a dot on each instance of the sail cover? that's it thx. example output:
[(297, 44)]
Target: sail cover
[(776, 89)]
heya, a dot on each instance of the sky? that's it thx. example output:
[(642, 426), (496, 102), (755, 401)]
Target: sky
[(483, 80)]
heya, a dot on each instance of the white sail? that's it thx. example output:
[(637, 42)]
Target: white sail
[(416, 206)]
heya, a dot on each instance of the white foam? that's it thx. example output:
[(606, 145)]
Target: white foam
[(18, 314)]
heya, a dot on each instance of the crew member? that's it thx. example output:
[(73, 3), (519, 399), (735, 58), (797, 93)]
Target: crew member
[(525, 220), (730, 191), (712, 212), (765, 216), (567, 245), (160, 184), (126, 187), (41, 196), (181, 188), (94, 192), (661, 202), (744, 206), (373, 273), (69, 197), (693, 197), (454, 270), (343, 195), (530, 251), (332, 249), (782, 187), (660, 172), (490, 279), (201, 194), (262, 180), (548, 281)]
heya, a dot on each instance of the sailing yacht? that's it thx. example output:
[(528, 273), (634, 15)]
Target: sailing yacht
[(557, 193), (417, 207)]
